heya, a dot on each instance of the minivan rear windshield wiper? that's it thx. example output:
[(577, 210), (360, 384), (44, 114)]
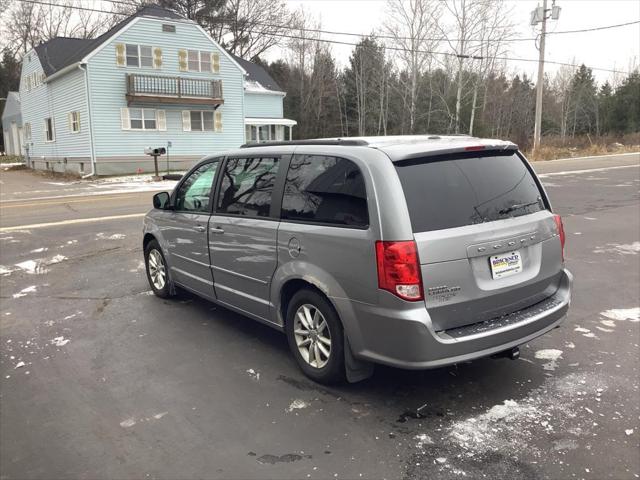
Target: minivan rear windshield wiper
[(518, 206)]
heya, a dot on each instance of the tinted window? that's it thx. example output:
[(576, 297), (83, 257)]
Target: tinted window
[(325, 190), (195, 191), (247, 185), (465, 189)]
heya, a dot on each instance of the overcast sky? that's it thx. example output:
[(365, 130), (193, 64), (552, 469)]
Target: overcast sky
[(612, 49)]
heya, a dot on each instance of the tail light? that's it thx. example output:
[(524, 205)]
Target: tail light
[(560, 228), (399, 269)]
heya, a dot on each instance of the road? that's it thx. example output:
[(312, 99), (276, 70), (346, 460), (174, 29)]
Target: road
[(117, 383)]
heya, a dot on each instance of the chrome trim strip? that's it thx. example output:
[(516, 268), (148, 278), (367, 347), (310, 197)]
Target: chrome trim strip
[(231, 272), (191, 260), (242, 294)]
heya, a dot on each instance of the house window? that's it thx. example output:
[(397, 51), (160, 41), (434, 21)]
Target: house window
[(27, 132), (199, 61), (140, 56), (201, 121), (49, 132), (132, 56), (74, 122), (193, 60), (142, 118), (146, 56)]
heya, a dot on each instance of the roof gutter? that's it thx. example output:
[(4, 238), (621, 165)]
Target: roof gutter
[(61, 72), (89, 118)]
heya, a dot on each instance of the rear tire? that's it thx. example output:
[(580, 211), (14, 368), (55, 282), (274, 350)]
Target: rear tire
[(316, 337), (157, 270)]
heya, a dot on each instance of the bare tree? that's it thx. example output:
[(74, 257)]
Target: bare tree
[(412, 24), (493, 35), (26, 25), (471, 19), (248, 28)]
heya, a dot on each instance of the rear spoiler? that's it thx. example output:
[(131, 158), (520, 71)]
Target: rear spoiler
[(468, 151)]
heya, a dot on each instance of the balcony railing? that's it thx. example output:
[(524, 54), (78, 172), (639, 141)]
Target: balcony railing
[(177, 90)]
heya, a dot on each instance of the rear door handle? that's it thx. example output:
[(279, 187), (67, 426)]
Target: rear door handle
[(200, 228), (217, 230)]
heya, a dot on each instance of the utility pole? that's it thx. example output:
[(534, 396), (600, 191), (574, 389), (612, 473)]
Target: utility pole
[(537, 16)]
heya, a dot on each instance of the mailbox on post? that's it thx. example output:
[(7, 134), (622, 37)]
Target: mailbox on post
[(155, 153)]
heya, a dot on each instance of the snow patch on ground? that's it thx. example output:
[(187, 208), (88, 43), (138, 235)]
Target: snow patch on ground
[(24, 291), (60, 341), (422, 440), (158, 416), (631, 314), (253, 374), (621, 249), (129, 422), (581, 329), (38, 267), (512, 427), (550, 354), (115, 236), (39, 250), (4, 271), (31, 267), (297, 404)]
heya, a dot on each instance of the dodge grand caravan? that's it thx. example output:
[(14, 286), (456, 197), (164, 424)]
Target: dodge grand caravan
[(415, 252)]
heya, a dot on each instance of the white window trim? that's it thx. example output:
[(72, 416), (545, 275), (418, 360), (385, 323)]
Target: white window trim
[(200, 52), (160, 118), (202, 112), (71, 122), (153, 63), (46, 130)]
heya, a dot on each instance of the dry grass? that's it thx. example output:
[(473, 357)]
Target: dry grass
[(585, 146)]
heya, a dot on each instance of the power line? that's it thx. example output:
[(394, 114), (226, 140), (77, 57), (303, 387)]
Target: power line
[(338, 42), (392, 37)]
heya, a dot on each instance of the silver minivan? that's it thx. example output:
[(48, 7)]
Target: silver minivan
[(409, 251)]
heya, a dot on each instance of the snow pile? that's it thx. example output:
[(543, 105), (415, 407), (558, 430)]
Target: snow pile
[(512, 427)]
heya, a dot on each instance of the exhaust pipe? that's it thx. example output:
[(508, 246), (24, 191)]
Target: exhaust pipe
[(512, 354)]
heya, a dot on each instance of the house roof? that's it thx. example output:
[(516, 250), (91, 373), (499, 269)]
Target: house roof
[(11, 111), (60, 52), (257, 74)]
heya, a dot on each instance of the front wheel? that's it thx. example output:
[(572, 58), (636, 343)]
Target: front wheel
[(157, 272), (316, 337)]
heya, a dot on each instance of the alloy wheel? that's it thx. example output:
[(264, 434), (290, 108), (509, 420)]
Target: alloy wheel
[(157, 270), (312, 335)]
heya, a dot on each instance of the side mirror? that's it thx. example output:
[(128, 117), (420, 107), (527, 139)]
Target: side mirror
[(162, 201)]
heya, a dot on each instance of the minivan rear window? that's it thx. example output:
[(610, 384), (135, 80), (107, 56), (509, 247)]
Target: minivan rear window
[(467, 188)]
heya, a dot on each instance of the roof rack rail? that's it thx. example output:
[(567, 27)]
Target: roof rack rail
[(337, 141)]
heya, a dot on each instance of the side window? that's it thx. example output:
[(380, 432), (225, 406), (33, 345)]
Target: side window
[(247, 186), (195, 191), (323, 189)]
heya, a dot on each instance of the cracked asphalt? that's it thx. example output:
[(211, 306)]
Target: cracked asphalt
[(99, 379)]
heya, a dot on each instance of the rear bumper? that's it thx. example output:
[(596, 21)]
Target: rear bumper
[(406, 338)]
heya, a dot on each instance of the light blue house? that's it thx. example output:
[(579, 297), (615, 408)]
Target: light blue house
[(156, 79)]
